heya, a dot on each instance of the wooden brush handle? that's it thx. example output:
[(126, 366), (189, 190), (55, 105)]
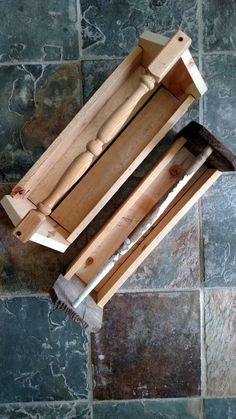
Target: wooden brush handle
[(106, 133)]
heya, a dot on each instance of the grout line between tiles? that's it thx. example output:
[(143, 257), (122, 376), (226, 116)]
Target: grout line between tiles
[(90, 375), (79, 19), (157, 290), (203, 346), (43, 402), (201, 409), (229, 52), (85, 401), (104, 57), (9, 296)]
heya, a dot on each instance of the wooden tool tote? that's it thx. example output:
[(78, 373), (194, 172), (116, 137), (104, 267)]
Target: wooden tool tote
[(78, 174), (136, 106)]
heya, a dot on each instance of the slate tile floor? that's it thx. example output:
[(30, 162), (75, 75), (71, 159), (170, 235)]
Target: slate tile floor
[(167, 346)]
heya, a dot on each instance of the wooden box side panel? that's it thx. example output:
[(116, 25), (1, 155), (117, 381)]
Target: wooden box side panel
[(184, 78), (120, 160), (127, 265), (153, 188), (61, 152)]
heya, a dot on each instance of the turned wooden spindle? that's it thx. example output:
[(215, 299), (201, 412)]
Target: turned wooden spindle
[(155, 72), (107, 132)]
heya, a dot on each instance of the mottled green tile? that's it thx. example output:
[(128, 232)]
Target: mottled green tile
[(94, 73), (219, 25), (219, 101), (148, 409), (44, 410), (37, 102), (220, 409), (148, 347), (219, 218), (43, 354), (39, 30), (29, 268), (174, 263), (220, 335), (113, 28)]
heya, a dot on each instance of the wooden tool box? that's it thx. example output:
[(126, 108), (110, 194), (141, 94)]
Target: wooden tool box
[(132, 111), (148, 118)]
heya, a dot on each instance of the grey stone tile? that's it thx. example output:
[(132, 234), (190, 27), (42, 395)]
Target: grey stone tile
[(220, 409), (219, 72), (29, 268), (43, 354), (94, 73), (37, 102), (219, 25), (50, 410), (148, 347), (174, 263), (219, 218), (148, 409), (220, 328), (113, 28), (38, 31)]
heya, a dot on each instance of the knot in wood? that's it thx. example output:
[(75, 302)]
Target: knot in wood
[(175, 170), (18, 190), (95, 147), (89, 261)]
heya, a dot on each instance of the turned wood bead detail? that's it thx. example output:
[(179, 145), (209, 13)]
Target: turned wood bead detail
[(107, 132)]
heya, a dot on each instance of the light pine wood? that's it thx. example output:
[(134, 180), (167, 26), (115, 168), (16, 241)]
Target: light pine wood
[(49, 234), (165, 124), (29, 225), (169, 55), (160, 66), (100, 121), (70, 142), (94, 148), (126, 267), (138, 204), (126, 153), (184, 77)]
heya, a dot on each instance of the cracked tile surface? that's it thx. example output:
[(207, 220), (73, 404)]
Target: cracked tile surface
[(148, 347), (148, 409), (218, 14), (220, 332), (37, 102), (43, 354), (113, 28), (219, 218), (64, 410), (53, 25), (219, 72), (29, 268)]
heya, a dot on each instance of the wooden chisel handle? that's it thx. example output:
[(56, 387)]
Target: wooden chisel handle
[(106, 133)]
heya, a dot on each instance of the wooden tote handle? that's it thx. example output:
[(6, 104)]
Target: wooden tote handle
[(106, 133)]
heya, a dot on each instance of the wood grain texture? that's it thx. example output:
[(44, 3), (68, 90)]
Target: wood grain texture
[(127, 265), (57, 157), (132, 146)]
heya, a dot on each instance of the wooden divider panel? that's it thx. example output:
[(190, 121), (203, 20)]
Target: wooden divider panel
[(120, 160)]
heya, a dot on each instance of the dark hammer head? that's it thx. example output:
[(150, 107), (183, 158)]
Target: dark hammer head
[(199, 137)]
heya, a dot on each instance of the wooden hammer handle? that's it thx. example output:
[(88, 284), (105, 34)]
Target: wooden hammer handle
[(106, 133)]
